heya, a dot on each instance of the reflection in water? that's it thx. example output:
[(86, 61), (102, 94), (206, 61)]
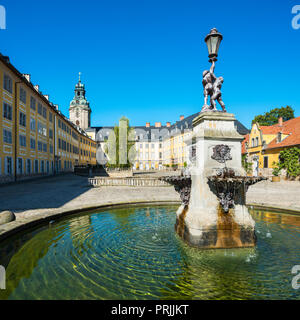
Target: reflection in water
[(135, 254)]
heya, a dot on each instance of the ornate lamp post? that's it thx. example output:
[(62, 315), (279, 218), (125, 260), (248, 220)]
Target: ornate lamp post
[(213, 40), (212, 84)]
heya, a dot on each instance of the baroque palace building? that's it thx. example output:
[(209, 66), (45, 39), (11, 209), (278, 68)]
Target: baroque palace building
[(36, 139), (158, 146)]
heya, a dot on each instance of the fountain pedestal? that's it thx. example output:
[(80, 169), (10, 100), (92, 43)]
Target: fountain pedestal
[(216, 215)]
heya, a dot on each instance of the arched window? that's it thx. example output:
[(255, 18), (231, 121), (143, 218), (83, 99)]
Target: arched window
[(256, 141)]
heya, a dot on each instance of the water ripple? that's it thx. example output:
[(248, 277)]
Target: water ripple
[(134, 254)]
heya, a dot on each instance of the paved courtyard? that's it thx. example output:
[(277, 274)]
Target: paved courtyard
[(69, 192)]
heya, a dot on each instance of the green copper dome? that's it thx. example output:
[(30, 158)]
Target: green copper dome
[(79, 97)]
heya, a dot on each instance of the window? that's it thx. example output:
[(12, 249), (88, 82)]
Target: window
[(7, 83), (28, 166), (279, 137), (160, 155), (7, 137), (44, 147), (22, 140), (40, 146), (32, 144), (42, 166), (160, 145), (42, 130), (256, 141), (7, 111), (40, 108), (22, 119), (32, 103), (32, 124), (36, 166), (51, 148), (20, 165), (50, 117), (22, 95), (50, 133), (47, 167), (266, 162), (44, 112), (152, 145), (252, 144), (8, 167)]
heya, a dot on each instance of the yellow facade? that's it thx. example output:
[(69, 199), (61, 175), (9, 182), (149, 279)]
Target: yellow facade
[(175, 149), (257, 149), (36, 139)]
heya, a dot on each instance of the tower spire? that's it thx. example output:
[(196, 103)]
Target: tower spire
[(80, 111)]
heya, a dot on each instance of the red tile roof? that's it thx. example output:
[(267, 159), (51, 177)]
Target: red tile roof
[(290, 127), (244, 142)]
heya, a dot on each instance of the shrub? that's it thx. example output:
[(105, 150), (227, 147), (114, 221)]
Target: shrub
[(276, 169), (289, 160)]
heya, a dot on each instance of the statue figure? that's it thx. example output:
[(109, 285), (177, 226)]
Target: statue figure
[(212, 87)]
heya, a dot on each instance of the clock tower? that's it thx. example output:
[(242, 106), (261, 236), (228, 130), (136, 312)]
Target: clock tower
[(80, 112)]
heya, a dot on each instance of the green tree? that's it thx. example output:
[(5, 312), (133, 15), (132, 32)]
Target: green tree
[(270, 118), (120, 145), (290, 161)]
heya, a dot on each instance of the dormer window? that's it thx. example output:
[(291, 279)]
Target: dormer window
[(279, 137)]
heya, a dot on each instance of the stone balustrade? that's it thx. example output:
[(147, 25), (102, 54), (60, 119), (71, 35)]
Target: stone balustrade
[(131, 182)]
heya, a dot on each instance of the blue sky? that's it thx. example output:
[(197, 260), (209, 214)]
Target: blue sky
[(144, 58)]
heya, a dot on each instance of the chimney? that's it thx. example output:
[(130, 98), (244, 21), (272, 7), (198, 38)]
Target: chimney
[(37, 87), (46, 96), (157, 124), (27, 77), (147, 124), (6, 58), (280, 122), (56, 106), (168, 124), (181, 117)]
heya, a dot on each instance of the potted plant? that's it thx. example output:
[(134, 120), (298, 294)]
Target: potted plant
[(276, 172)]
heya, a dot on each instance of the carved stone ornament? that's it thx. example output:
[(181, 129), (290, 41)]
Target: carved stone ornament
[(227, 185), (221, 153), (182, 184)]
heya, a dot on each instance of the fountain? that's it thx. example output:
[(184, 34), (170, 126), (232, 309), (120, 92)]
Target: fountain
[(213, 213)]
